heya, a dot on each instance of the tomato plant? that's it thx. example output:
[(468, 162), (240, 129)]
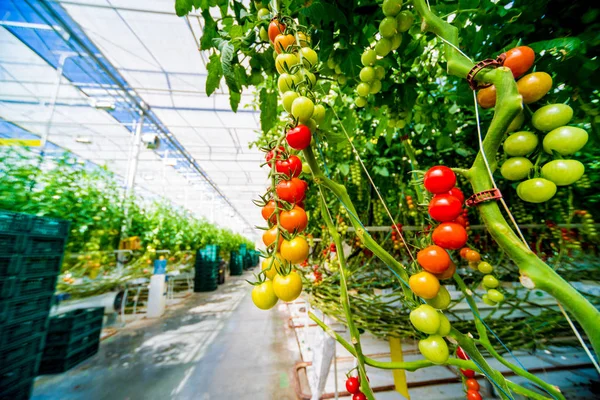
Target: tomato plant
[(534, 86)]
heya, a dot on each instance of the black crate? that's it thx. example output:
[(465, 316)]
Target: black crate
[(16, 332), (21, 391), (24, 370), (76, 319), (67, 337), (57, 365), (24, 308), (16, 286), (65, 349), (26, 349)]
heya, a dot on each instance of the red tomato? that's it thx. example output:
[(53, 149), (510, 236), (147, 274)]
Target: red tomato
[(433, 259), (473, 395), (462, 221), (456, 192), (439, 179), (460, 353), (292, 190), (352, 385), (444, 208), (268, 212), (468, 373), (292, 167), (519, 60), (280, 152), (299, 137), (294, 220), (450, 235), (359, 396), (472, 384), (332, 248), (463, 252), (275, 28)]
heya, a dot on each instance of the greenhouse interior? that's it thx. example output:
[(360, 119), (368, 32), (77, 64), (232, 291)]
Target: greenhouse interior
[(323, 199)]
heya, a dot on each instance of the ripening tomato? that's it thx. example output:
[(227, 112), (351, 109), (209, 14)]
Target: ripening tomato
[(319, 113), (287, 287), (292, 190), (388, 27), (444, 208), (405, 20), (299, 137), (268, 212), (447, 274), (519, 60), (473, 395), (263, 295), (271, 266), (278, 153), (303, 109), (490, 282), (516, 123), (439, 179), (294, 250), (367, 74), (433, 259), (449, 235), (472, 256), (468, 373), (486, 97), (463, 252), (425, 319), (435, 349), (472, 384), (270, 237), (495, 296), (284, 62), (287, 98), (275, 28), (294, 221), (391, 8), (424, 284), (485, 267), (534, 86), (352, 385)]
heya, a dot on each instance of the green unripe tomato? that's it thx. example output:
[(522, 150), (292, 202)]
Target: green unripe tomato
[(425, 319), (441, 301), (563, 172), (379, 72), (310, 78), (401, 124), (485, 267), (391, 8), (263, 13), (263, 34), (405, 20), (565, 140), (551, 117), (338, 69), (311, 124), (485, 298), (516, 168), (363, 89), (302, 109), (368, 57), (287, 82), (391, 123), (288, 98), (520, 143), (331, 63), (367, 74), (445, 326), (387, 27), (360, 101), (537, 190), (490, 282), (342, 79), (396, 41), (309, 57), (306, 168), (435, 349), (285, 61), (516, 123), (319, 113), (375, 86), (495, 296), (383, 47)]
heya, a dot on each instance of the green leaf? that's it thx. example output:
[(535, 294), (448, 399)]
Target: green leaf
[(383, 171), (227, 54), (344, 168), (209, 32), (268, 109), (236, 31), (234, 99), (565, 47), (183, 7), (215, 73)]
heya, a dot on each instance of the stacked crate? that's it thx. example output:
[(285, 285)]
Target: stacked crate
[(31, 251), (72, 338), (236, 263), (207, 269)]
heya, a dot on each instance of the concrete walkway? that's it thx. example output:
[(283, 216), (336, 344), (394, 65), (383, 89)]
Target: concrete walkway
[(214, 346)]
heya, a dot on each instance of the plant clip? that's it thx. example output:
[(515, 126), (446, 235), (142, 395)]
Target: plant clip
[(486, 195), (498, 62)]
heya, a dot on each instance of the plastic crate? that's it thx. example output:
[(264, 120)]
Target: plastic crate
[(26, 349), (57, 228), (57, 365), (76, 319), (9, 265), (11, 334), (15, 287), (15, 222), (24, 370), (24, 308), (11, 243), (40, 265), (74, 345), (37, 245), (68, 337), (22, 391)]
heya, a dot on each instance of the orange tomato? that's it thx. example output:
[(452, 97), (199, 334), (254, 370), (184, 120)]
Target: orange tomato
[(447, 274), (282, 42), (268, 212), (472, 256), (472, 384), (295, 250), (463, 252), (270, 237), (486, 97), (433, 259), (275, 28), (294, 220), (424, 284), (534, 86)]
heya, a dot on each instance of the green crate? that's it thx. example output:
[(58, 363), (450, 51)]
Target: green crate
[(21, 391), (14, 353), (15, 287), (40, 265), (57, 228), (11, 243), (40, 245), (15, 222), (68, 337), (9, 265), (58, 365), (73, 320), (25, 369), (24, 308), (16, 332), (57, 348)]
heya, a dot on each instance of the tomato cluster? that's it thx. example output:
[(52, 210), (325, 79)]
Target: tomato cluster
[(469, 381), (353, 387), (390, 32), (560, 141), (489, 282)]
